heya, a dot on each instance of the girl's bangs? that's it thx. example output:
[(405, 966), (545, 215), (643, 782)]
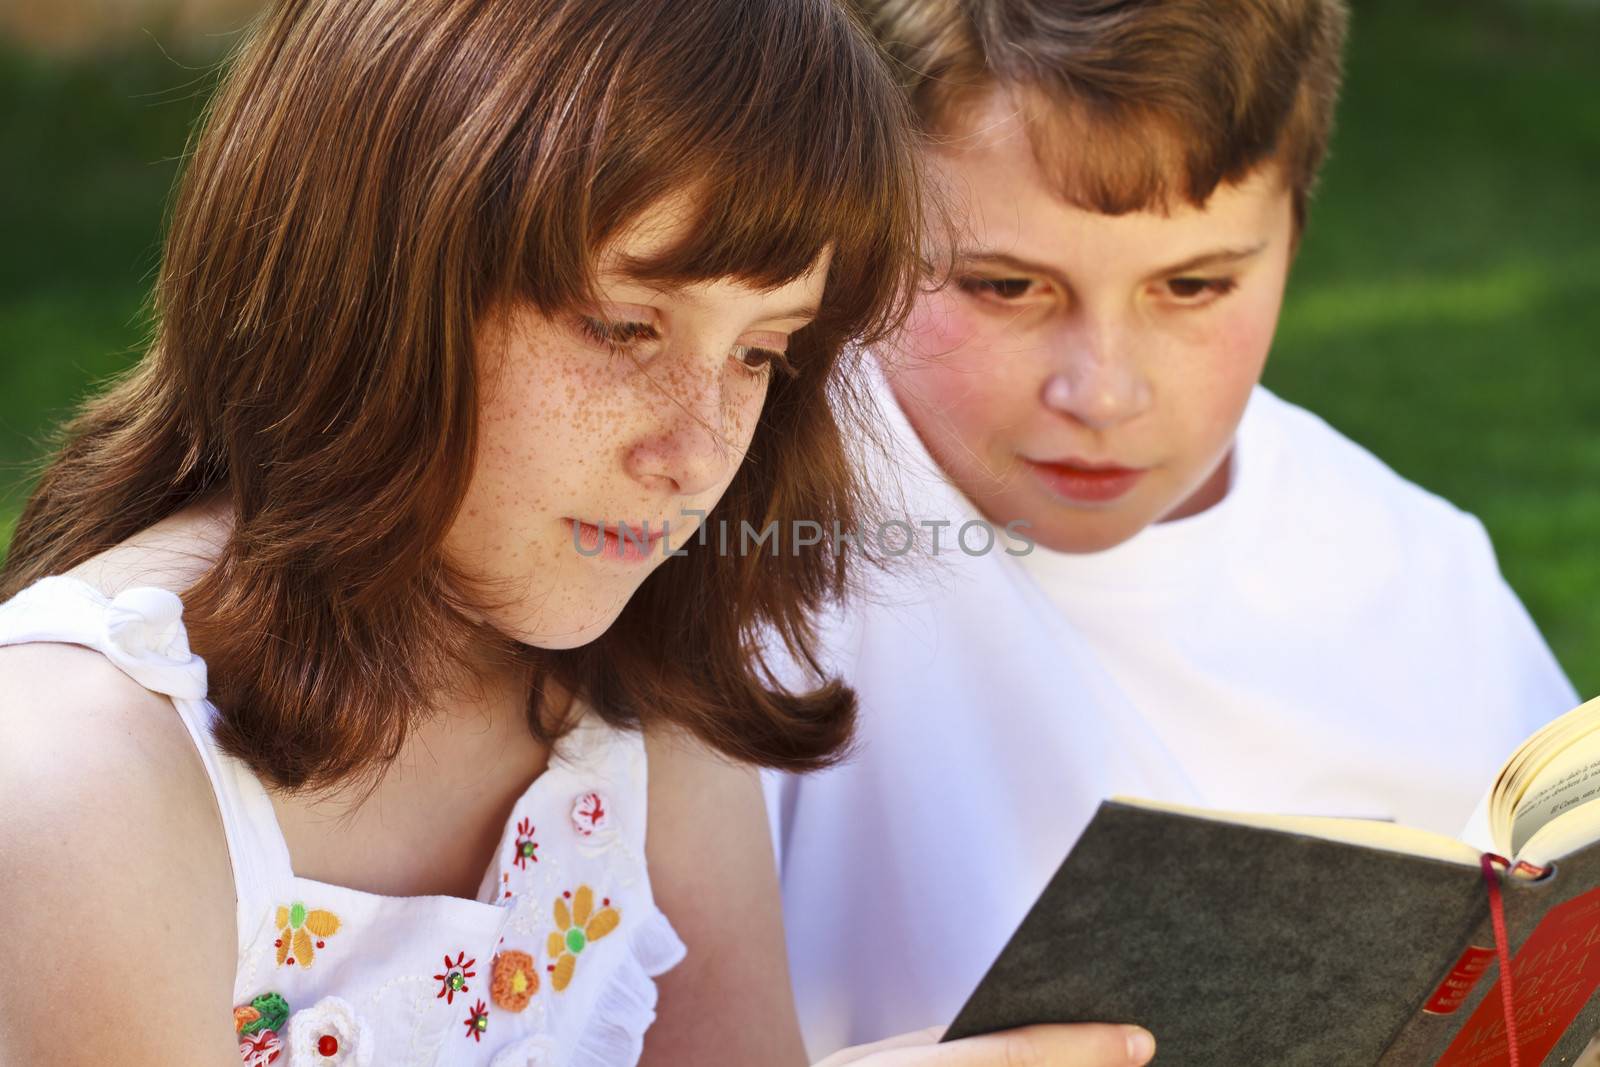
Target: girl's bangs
[(767, 222), (781, 123)]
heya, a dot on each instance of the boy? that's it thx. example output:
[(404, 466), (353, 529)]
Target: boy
[(1227, 604)]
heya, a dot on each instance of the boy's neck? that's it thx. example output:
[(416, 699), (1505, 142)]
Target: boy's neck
[(1212, 491)]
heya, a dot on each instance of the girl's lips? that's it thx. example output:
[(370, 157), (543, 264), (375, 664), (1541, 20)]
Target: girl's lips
[(1086, 483), (627, 549)]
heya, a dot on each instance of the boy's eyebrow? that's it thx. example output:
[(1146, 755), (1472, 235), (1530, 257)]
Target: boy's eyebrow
[(1204, 259), (1208, 259), (1003, 260)]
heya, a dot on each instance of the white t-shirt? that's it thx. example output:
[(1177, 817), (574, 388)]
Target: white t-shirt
[(1329, 639)]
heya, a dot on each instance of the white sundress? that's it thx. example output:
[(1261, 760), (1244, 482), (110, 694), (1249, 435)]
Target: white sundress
[(552, 964)]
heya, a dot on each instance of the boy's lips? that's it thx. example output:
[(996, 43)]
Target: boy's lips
[(1083, 482)]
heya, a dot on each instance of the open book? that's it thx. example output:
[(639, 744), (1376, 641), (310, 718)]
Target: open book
[(1245, 939)]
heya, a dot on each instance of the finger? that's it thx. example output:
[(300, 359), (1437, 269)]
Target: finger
[(859, 1053), (1079, 1045)]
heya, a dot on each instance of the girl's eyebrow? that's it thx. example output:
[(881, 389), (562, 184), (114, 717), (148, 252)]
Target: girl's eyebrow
[(803, 311), (806, 311)]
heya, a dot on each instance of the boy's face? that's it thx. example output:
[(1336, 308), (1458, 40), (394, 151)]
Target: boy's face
[(1085, 372)]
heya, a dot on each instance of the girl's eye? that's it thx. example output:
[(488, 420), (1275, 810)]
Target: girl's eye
[(757, 359), (621, 335), (996, 288), (616, 334), (1199, 290)]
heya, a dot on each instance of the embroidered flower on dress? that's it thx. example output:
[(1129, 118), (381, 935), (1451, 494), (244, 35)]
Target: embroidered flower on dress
[(269, 1011), (514, 980), (575, 929), (590, 813), (329, 1033), (478, 1021), (526, 848), (296, 928), (260, 1048), (454, 978), (537, 1051)]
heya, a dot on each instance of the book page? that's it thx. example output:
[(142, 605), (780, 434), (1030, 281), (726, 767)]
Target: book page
[(1545, 777), (1570, 778), (1369, 833), (1571, 831)]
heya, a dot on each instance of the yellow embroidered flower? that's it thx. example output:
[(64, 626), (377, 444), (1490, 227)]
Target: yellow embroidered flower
[(575, 929), (297, 927)]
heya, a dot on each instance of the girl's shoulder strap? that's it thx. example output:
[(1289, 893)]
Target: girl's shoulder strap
[(141, 631)]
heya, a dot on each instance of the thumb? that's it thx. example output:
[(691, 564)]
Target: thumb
[(867, 1055), (1077, 1045)]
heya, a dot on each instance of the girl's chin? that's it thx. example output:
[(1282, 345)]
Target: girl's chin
[(573, 631)]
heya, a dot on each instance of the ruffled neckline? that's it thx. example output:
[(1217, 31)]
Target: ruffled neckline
[(144, 635)]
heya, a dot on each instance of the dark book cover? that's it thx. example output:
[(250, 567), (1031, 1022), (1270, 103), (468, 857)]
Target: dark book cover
[(1238, 945)]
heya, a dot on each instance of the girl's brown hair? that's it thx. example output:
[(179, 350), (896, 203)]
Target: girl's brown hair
[(1138, 103), (372, 178)]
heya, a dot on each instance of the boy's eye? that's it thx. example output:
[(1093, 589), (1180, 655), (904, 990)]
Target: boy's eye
[(996, 288), (1195, 290)]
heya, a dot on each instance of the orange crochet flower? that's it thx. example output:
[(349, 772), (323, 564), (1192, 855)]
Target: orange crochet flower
[(575, 929), (514, 980), (296, 928)]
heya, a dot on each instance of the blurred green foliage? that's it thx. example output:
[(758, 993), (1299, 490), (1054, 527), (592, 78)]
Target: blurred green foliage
[(1443, 312), (92, 147), (1444, 309)]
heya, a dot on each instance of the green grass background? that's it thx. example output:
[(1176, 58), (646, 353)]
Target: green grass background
[(1444, 311)]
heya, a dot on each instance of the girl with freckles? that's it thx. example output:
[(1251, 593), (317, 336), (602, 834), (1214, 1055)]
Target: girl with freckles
[(322, 741)]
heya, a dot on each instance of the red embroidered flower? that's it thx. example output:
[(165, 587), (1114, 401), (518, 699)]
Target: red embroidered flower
[(590, 813), (260, 1048), (478, 1021), (454, 978), (527, 848)]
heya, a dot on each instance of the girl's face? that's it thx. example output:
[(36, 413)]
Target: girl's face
[(635, 412)]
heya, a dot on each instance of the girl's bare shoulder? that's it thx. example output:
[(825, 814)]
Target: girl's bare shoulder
[(81, 740), (113, 865)]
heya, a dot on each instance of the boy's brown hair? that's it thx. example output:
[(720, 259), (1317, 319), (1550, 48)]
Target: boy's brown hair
[(1132, 104), (373, 178)]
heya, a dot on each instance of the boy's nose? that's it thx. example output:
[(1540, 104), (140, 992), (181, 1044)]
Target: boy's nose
[(1096, 387)]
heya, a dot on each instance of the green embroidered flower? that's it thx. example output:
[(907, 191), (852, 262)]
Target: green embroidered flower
[(269, 1011)]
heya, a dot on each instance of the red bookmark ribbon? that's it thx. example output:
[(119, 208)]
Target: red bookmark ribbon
[(1556, 971), (1497, 916)]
